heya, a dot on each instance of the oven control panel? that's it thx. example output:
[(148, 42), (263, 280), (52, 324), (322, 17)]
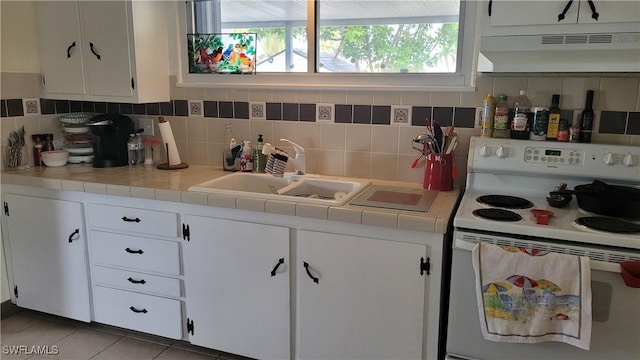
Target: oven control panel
[(543, 155)]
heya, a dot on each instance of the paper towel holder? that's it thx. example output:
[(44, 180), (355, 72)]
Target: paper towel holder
[(167, 165)]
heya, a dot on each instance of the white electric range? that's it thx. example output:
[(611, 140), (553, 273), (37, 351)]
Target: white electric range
[(519, 175)]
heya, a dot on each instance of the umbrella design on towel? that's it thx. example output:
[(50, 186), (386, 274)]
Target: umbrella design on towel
[(534, 252), (548, 285), (496, 287), (522, 281)]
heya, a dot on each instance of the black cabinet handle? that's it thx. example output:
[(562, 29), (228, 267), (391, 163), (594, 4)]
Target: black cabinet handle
[(73, 44), (594, 13), (564, 12), (306, 267), (490, 7), (76, 232), (133, 281), (126, 219), (280, 262), (134, 251), (144, 311), (94, 51)]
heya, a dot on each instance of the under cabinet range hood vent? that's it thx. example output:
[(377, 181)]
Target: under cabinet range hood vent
[(597, 52)]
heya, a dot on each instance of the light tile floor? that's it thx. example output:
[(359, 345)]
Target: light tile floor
[(61, 338)]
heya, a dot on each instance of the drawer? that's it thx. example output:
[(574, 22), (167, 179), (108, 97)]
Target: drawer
[(135, 281), (135, 252), (134, 220), (140, 312)]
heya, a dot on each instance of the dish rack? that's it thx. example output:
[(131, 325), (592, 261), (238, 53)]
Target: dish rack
[(77, 137)]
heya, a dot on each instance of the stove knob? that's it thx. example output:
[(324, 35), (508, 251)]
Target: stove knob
[(628, 160), (609, 159), (501, 152), (485, 151)]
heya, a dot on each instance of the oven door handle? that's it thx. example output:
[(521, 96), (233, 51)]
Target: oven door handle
[(595, 264)]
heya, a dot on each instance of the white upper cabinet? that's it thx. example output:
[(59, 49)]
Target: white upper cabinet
[(113, 51)]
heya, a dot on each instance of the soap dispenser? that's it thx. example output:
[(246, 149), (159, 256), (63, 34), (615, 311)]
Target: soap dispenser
[(259, 159)]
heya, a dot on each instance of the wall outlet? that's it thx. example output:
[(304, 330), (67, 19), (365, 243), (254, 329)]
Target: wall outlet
[(147, 126)]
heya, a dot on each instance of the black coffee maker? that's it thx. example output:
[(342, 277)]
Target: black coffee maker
[(110, 133)]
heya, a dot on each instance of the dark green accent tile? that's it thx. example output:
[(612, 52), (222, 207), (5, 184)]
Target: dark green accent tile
[(240, 110), (126, 108), (62, 106), (14, 107), (210, 109), (613, 122), (344, 114), (290, 111), (153, 108), (113, 108), (47, 107), (274, 111), (3, 108), (181, 108), (381, 115), (88, 106), (464, 117), (225, 109), (75, 106), (166, 108), (443, 115), (101, 107), (138, 109), (420, 114), (633, 124), (307, 112), (362, 114)]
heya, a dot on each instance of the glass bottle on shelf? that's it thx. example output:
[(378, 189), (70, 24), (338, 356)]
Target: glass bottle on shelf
[(501, 119), (586, 119), (132, 149), (521, 111)]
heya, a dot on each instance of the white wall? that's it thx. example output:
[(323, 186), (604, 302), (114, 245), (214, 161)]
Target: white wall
[(18, 37)]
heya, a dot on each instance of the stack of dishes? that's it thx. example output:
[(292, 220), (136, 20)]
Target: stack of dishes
[(77, 137)]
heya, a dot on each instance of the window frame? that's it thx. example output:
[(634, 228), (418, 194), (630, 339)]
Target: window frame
[(462, 80)]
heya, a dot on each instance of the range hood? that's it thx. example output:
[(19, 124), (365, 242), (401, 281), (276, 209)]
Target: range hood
[(585, 52)]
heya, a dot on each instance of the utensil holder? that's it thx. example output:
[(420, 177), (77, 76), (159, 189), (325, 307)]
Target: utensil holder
[(438, 174)]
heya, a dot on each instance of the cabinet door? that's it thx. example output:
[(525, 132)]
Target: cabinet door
[(235, 303), (60, 46), (510, 12), (106, 40), (610, 12), (368, 302), (48, 255)]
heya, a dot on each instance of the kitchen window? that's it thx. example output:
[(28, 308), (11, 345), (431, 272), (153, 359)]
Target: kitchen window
[(356, 44)]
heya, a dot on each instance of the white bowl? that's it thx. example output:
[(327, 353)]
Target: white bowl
[(55, 157)]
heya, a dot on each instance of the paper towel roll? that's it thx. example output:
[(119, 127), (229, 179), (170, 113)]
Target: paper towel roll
[(169, 142)]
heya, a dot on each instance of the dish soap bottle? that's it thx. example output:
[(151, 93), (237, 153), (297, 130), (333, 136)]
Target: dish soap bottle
[(259, 159), (488, 114), (246, 157)]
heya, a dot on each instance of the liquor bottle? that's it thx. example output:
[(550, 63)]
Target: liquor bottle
[(554, 118), (488, 113), (586, 119), (501, 119), (521, 111), (132, 149)]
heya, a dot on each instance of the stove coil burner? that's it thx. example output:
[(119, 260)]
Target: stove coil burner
[(497, 214), (505, 201), (611, 225)]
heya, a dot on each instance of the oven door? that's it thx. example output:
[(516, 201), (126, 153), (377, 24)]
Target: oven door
[(615, 309)]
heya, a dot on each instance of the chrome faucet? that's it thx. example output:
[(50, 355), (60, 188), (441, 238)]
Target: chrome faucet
[(299, 161)]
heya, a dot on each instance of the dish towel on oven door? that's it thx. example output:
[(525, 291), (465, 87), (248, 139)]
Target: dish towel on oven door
[(530, 296)]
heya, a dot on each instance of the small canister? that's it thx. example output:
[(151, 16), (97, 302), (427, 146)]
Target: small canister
[(563, 130), (539, 124)]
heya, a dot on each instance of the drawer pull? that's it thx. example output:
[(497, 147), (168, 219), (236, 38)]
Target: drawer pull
[(73, 235), (144, 311), (306, 267), (134, 251), (133, 281), (126, 219), (280, 262)]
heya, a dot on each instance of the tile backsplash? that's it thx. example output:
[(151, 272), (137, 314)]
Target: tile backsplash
[(347, 133)]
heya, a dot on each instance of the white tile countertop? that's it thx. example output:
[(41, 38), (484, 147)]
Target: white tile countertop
[(147, 182)]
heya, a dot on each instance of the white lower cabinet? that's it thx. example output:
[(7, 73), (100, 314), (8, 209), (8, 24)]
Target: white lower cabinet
[(237, 287), (358, 298), (47, 245)]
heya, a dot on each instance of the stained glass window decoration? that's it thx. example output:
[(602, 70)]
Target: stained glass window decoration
[(222, 53)]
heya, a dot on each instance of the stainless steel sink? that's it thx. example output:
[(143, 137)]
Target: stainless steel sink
[(312, 189)]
